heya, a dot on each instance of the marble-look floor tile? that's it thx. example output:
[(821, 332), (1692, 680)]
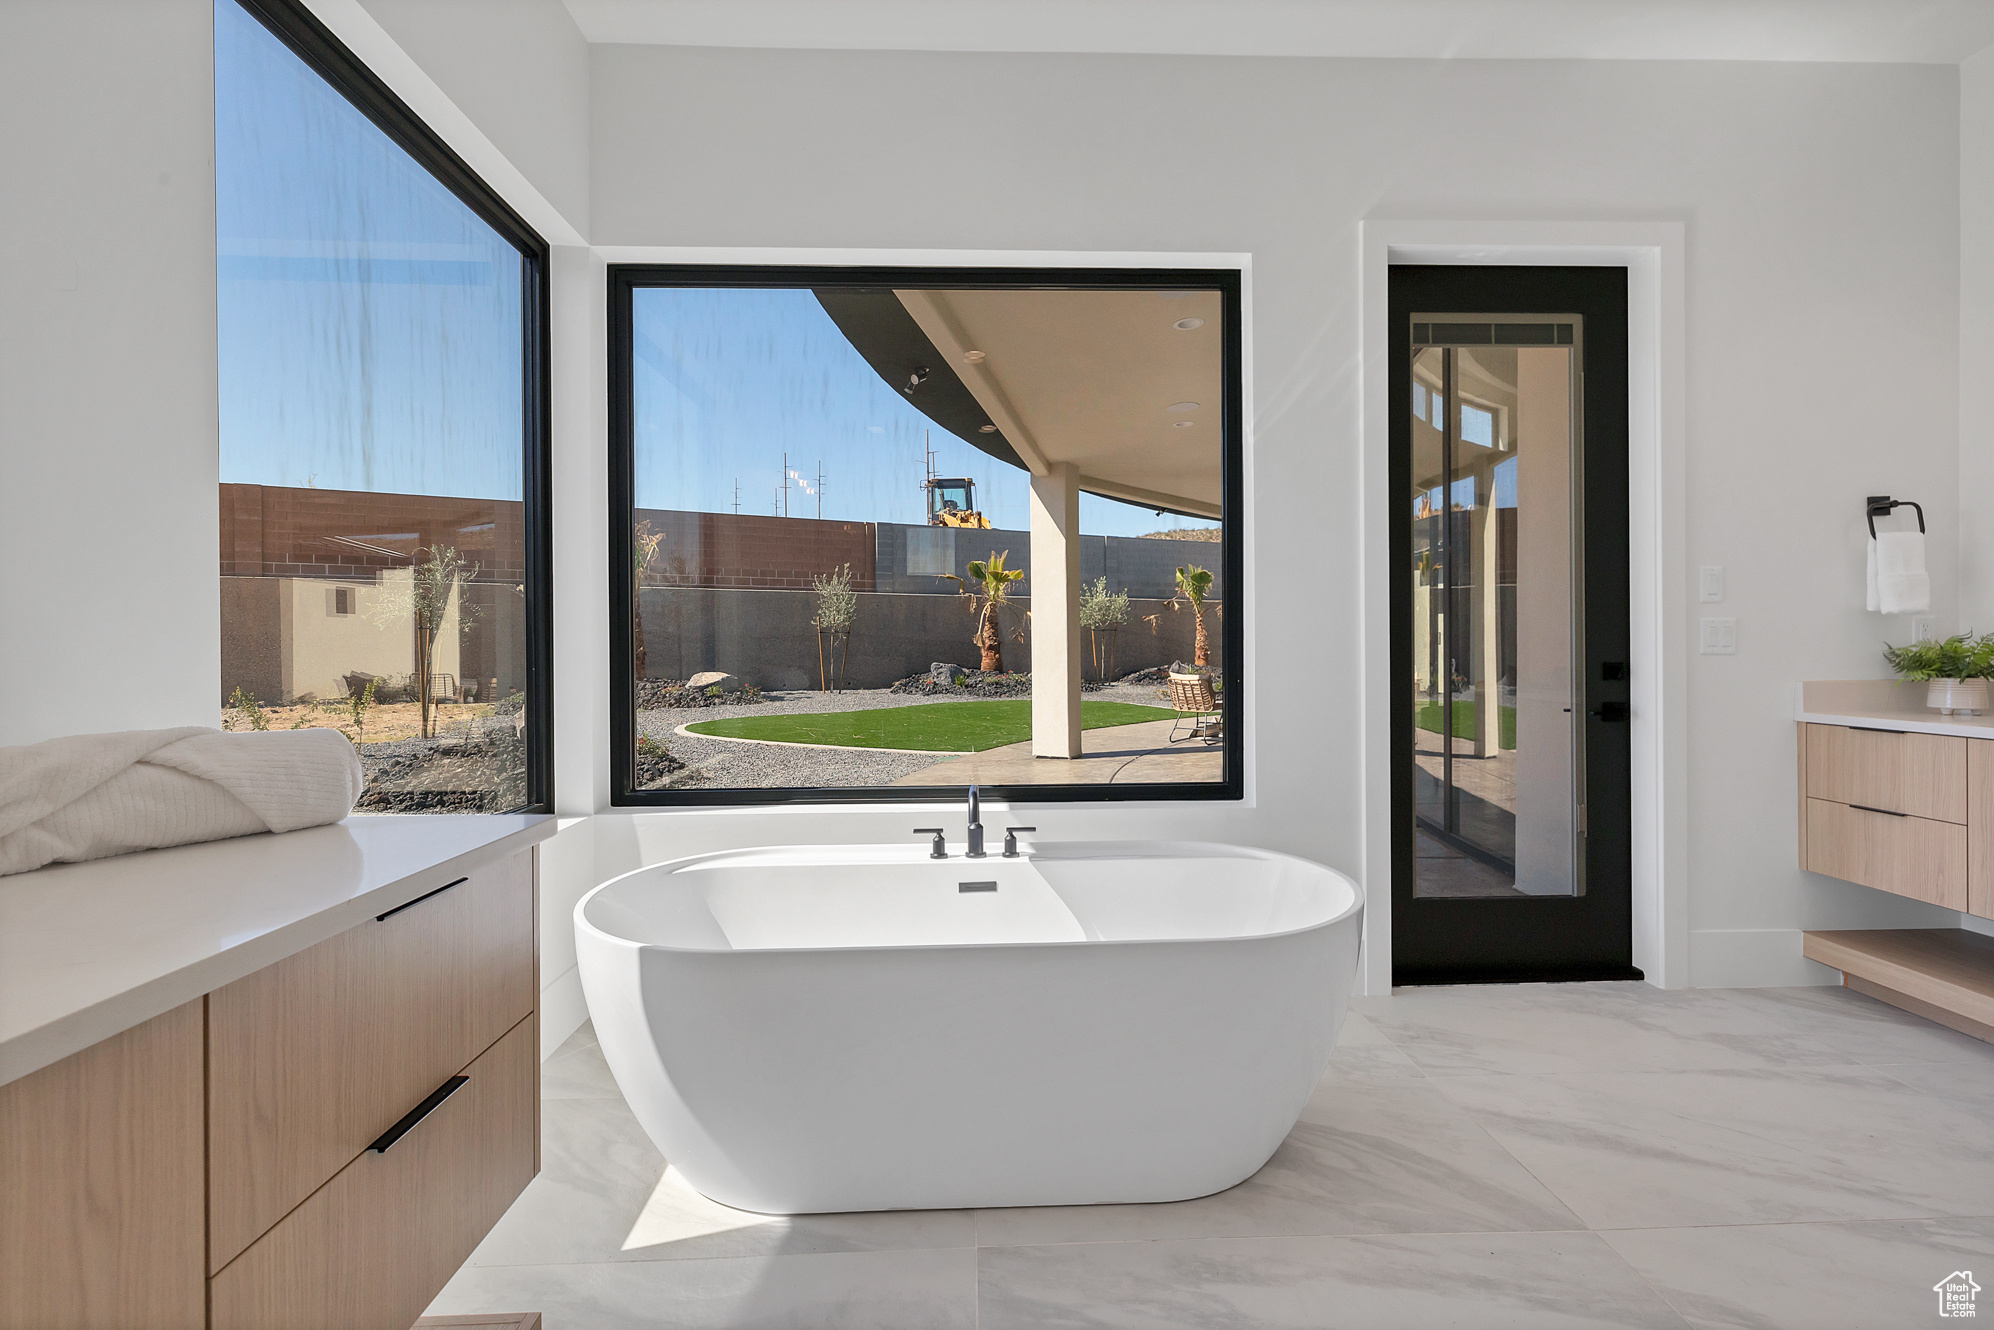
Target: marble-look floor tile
[(1524, 1281), (604, 1194), (1368, 1156), (1362, 1050), (1546, 1028), (577, 1070), (917, 1290), (1858, 1026), (1961, 1082), (1776, 1145), (1861, 1276)]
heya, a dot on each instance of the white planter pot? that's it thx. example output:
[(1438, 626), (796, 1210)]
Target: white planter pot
[(1963, 695)]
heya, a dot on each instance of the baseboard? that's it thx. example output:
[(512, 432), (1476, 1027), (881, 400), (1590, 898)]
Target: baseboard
[(562, 1010), (1753, 958)]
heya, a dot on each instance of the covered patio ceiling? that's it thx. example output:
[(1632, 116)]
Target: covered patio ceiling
[(1128, 386)]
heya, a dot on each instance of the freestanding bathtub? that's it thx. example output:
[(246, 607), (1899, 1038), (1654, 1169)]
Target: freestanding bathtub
[(863, 1028)]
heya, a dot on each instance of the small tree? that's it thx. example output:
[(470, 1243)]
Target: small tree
[(644, 548), (1193, 585), (423, 602), (988, 587), (356, 706), (1103, 615), (837, 610)]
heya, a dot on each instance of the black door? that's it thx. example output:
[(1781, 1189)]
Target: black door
[(1511, 858)]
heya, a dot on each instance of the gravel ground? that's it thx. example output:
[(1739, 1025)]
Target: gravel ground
[(733, 765)]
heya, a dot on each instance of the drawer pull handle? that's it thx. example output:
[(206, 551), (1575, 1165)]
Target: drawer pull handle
[(417, 1114), (379, 918), (1885, 811)]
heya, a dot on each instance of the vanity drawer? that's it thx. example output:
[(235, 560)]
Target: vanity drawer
[(369, 1249), (1920, 774), (312, 1058), (1912, 856)]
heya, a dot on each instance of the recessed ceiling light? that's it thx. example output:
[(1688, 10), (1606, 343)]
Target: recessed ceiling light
[(1186, 325), (1183, 424), (973, 357), (986, 429), (1182, 406)]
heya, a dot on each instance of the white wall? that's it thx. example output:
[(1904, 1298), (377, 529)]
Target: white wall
[(109, 618), (519, 70), (1821, 205)]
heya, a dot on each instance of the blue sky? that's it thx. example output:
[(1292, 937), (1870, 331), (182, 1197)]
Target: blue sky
[(370, 340)]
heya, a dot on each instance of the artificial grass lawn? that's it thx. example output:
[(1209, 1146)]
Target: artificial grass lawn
[(1464, 722), (945, 727)]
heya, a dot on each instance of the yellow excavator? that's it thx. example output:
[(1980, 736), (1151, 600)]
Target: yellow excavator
[(952, 502)]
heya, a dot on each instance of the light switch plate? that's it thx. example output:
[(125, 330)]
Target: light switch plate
[(1710, 584), (1720, 637)]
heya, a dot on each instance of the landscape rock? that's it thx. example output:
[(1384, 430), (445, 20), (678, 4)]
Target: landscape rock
[(942, 671), (727, 683)]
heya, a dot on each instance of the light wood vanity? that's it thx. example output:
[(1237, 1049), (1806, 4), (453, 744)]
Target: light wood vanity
[(315, 1141), (1897, 797)]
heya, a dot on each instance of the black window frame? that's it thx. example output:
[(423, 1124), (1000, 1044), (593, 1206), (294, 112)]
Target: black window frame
[(623, 282), (312, 42)]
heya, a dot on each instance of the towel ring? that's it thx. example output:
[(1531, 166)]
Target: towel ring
[(1880, 505)]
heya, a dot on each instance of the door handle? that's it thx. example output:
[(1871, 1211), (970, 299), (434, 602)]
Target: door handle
[(1612, 712), (1885, 811)]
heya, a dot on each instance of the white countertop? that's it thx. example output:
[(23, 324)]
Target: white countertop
[(1882, 704), (89, 950)]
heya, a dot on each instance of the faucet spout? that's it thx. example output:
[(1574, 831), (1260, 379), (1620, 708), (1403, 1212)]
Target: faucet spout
[(975, 850)]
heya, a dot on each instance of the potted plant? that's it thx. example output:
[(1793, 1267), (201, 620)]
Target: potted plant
[(1955, 669)]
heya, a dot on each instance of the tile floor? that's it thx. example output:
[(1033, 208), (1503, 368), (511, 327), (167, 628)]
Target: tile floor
[(1540, 1157)]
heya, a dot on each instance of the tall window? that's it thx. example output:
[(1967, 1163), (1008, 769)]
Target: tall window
[(887, 534), (381, 370)]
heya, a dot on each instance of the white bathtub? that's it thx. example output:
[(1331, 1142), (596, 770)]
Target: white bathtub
[(845, 1028)]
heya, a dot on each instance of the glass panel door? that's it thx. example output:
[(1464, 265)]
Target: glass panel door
[(1498, 763)]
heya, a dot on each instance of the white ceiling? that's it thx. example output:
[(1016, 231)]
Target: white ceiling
[(1886, 31)]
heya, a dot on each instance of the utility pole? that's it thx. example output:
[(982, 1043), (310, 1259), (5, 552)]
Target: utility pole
[(737, 496), (785, 484), (820, 490)]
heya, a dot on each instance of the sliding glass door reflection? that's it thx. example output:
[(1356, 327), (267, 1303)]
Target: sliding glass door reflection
[(1494, 618)]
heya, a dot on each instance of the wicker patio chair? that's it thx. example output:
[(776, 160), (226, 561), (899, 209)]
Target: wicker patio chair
[(1191, 698)]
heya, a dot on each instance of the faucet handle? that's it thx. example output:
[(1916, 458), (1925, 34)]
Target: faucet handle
[(940, 849), (1011, 840)]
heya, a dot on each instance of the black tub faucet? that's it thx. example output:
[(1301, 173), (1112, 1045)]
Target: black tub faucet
[(975, 850)]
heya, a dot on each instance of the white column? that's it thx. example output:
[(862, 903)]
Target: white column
[(1055, 591)]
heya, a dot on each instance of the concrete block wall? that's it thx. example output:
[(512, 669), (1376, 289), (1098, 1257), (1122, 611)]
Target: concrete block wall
[(285, 531), (763, 553), (1146, 569), (765, 637)]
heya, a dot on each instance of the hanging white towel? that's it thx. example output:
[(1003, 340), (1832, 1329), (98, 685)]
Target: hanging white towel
[(1898, 582), (93, 795)]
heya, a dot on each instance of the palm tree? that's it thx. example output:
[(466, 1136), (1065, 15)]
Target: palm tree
[(1194, 584), (989, 588)]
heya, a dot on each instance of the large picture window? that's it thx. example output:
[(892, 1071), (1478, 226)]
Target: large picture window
[(883, 534), (382, 370)]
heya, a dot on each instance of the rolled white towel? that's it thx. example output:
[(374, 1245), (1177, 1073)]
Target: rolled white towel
[(1898, 582), (94, 795)]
